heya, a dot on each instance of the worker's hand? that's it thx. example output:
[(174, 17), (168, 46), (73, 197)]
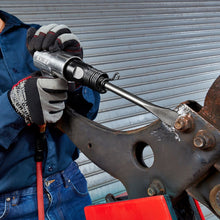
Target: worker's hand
[(53, 38), (38, 99)]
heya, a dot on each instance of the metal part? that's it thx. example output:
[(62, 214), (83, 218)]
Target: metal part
[(204, 140), (52, 63), (156, 188), (63, 65), (166, 115), (179, 165), (214, 198), (184, 123), (211, 109)]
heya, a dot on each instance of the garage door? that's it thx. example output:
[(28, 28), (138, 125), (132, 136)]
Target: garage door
[(165, 51)]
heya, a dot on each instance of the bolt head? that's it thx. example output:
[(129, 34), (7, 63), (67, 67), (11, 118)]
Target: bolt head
[(184, 123), (151, 191), (204, 140), (199, 142), (156, 188), (179, 124)]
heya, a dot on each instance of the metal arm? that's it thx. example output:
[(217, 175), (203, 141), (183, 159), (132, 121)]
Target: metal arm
[(185, 159)]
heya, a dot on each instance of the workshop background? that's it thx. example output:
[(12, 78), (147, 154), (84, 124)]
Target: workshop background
[(166, 52)]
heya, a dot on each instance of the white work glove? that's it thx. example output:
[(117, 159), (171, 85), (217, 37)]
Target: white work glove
[(38, 99)]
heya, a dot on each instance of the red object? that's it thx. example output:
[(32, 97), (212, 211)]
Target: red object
[(40, 194), (199, 209), (151, 208)]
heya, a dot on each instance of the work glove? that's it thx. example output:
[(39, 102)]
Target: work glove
[(39, 100), (53, 38)]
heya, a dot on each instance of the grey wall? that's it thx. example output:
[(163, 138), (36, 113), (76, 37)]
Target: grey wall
[(165, 51)]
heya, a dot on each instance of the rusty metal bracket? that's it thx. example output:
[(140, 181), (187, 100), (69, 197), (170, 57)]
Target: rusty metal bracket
[(186, 156)]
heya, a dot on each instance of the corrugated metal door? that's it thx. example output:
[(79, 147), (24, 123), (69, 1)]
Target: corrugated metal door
[(165, 51)]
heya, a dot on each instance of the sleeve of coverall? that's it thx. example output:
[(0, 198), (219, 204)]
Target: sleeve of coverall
[(10, 122)]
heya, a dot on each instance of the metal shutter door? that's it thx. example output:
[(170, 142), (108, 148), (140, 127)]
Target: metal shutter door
[(165, 51)]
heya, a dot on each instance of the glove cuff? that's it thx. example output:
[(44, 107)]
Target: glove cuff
[(18, 100), (33, 101), (39, 100)]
